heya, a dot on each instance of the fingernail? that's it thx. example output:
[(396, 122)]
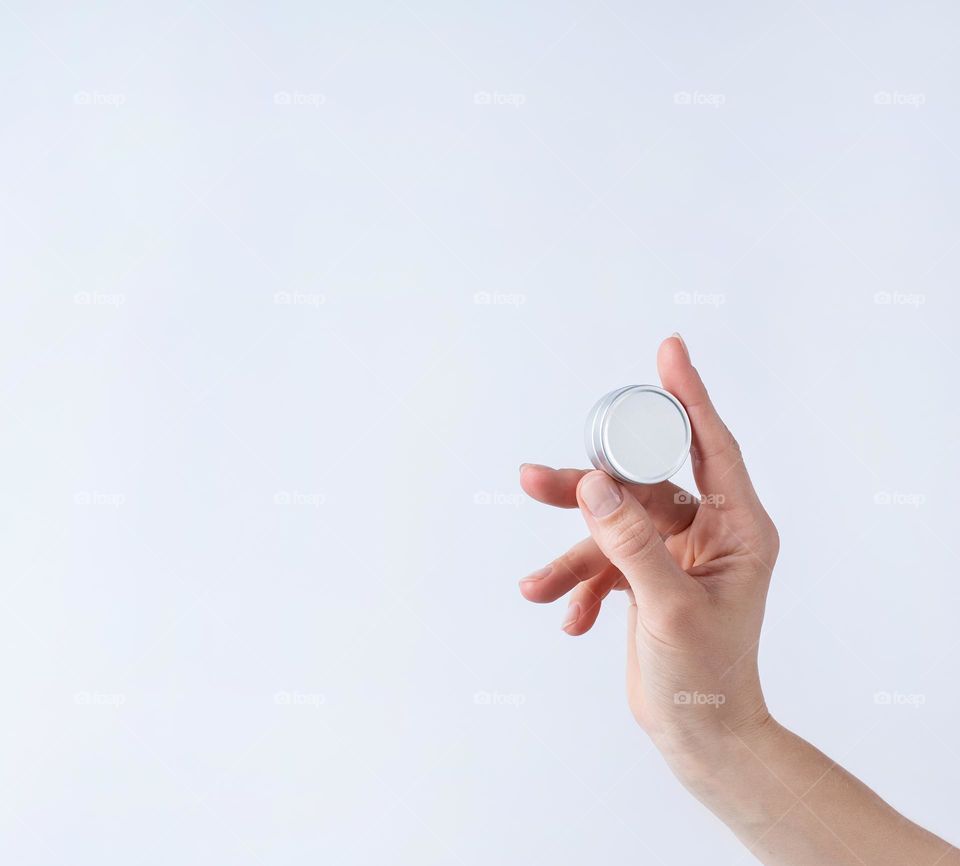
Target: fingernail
[(573, 614), (532, 466), (537, 575), (601, 494), (682, 343)]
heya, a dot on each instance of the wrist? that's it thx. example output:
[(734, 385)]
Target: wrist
[(704, 759), (730, 773)]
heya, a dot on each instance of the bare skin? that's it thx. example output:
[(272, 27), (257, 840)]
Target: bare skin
[(696, 572)]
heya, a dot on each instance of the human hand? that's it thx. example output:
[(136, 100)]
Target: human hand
[(696, 572)]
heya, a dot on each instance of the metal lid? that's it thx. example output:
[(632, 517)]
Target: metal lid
[(639, 434)]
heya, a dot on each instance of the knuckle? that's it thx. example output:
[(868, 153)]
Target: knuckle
[(728, 446), (733, 446), (771, 534), (763, 541), (570, 564), (633, 538)]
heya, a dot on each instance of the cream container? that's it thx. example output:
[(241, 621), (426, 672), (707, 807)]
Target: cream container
[(639, 434)]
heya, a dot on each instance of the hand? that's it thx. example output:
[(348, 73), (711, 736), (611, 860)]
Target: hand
[(696, 573)]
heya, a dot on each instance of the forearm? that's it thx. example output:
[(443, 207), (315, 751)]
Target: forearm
[(792, 806)]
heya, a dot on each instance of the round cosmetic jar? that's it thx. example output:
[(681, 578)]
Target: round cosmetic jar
[(639, 434)]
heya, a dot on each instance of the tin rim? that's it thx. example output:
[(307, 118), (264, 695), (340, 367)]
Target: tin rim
[(597, 443), (592, 430)]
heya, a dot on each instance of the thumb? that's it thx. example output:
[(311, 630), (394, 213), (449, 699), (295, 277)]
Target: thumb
[(627, 536)]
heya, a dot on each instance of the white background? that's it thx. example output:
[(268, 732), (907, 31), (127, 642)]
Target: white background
[(259, 598)]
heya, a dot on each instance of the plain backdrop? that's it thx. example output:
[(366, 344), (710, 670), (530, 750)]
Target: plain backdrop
[(289, 290)]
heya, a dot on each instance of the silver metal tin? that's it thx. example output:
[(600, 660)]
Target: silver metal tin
[(639, 434)]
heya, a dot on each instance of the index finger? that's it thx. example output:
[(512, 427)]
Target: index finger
[(718, 465)]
